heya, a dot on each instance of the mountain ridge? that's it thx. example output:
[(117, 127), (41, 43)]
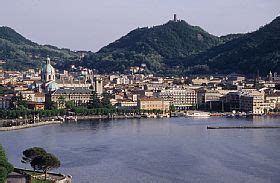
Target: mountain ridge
[(174, 48)]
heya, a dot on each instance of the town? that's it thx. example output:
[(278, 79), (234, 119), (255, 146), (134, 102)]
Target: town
[(134, 92)]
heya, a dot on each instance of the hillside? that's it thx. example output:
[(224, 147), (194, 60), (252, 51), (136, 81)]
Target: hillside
[(155, 46), (21, 53), (247, 54), (174, 48)]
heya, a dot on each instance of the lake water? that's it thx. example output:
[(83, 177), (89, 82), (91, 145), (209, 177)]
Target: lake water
[(156, 150)]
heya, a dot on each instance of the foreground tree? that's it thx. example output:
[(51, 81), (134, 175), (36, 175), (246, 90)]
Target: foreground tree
[(45, 163), (5, 166), (31, 153)]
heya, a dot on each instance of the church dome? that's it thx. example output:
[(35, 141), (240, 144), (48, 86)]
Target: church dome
[(48, 72), (51, 86), (48, 68)]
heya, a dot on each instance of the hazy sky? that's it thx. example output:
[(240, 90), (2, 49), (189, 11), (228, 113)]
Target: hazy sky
[(91, 24)]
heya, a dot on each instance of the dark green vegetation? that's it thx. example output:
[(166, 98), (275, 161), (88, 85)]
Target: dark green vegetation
[(21, 53), (39, 159), (31, 153), (5, 166), (158, 47), (252, 52), (175, 48)]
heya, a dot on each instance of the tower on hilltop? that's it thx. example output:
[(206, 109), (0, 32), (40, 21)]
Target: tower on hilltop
[(175, 18)]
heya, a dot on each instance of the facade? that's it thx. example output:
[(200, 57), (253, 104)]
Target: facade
[(5, 102), (205, 96), (182, 99), (32, 96), (233, 101), (153, 104), (79, 96), (253, 102), (127, 104)]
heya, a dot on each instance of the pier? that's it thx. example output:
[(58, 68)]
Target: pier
[(240, 127)]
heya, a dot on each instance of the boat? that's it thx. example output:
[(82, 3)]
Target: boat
[(71, 118), (198, 114)]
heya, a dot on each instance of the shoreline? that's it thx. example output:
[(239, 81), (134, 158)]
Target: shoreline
[(12, 128), (92, 117)]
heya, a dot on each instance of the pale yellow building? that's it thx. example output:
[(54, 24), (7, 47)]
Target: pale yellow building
[(153, 104)]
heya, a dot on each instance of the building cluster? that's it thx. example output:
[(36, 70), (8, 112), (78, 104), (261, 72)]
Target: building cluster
[(135, 90)]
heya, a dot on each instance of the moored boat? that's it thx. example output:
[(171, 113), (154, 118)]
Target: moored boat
[(198, 114)]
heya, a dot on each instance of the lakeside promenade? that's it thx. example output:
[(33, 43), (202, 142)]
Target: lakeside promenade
[(51, 122), (29, 125)]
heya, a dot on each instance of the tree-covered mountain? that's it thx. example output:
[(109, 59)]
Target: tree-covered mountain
[(21, 53), (247, 54), (174, 48), (155, 46), (179, 48)]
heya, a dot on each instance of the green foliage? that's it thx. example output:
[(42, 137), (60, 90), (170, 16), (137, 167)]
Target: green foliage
[(105, 102), (31, 153), (157, 47), (70, 105), (13, 114), (5, 166), (45, 162), (18, 103), (172, 108), (39, 159), (21, 53), (94, 101), (34, 180), (247, 54)]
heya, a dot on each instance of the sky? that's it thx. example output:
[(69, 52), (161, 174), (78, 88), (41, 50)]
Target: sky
[(92, 24)]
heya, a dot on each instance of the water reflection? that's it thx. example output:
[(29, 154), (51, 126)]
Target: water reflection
[(157, 150)]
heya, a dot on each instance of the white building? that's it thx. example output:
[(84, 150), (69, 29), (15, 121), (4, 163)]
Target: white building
[(181, 98)]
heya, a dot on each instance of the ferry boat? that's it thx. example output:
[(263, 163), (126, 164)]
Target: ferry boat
[(198, 114)]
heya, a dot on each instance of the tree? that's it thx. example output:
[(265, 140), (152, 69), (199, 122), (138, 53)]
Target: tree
[(94, 101), (45, 163), (172, 108), (5, 166), (70, 104), (17, 102), (31, 153), (106, 100)]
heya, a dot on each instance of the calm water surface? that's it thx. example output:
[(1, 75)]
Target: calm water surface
[(157, 150)]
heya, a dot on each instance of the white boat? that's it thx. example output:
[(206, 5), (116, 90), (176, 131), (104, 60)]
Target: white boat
[(198, 114)]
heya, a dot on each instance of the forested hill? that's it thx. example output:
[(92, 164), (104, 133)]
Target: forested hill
[(174, 48), (153, 46), (247, 54), (20, 53)]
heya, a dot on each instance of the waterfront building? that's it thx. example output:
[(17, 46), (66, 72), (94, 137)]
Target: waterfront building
[(232, 100), (127, 104), (273, 99), (251, 101), (80, 96), (182, 99), (204, 96), (150, 104)]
